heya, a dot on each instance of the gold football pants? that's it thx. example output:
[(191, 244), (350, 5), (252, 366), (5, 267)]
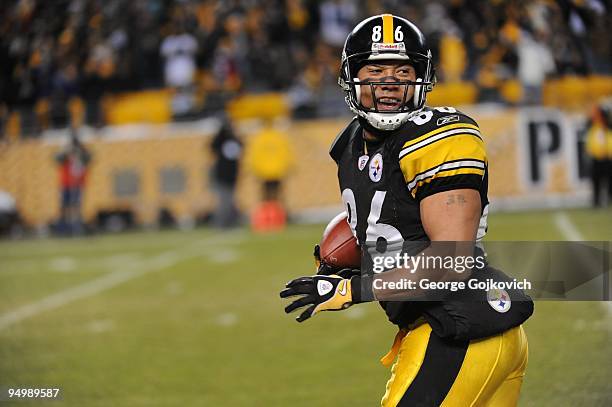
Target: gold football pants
[(430, 371)]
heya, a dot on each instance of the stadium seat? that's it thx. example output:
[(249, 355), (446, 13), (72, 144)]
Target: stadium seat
[(453, 94), (148, 106), (511, 91), (258, 105)]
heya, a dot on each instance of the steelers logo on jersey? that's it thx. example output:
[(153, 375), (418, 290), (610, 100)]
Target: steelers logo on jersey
[(376, 167), (499, 300)]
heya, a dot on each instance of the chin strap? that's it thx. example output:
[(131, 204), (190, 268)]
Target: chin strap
[(365, 123), (369, 128)]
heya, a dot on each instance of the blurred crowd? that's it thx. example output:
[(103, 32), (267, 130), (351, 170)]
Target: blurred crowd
[(209, 50)]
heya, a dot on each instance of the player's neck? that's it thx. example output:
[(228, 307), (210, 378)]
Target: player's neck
[(370, 141), (370, 138)]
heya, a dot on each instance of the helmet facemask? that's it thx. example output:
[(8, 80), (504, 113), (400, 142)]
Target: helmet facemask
[(385, 119)]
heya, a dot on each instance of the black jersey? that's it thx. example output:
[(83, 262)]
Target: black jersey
[(382, 184)]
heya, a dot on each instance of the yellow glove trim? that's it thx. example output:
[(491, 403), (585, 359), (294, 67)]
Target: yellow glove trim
[(341, 299)]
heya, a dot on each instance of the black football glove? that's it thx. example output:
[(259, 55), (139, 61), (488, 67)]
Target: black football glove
[(320, 293)]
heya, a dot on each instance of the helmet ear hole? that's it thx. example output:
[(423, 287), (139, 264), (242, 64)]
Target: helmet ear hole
[(418, 92)]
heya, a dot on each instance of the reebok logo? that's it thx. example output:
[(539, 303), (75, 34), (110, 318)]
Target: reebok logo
[(324, 287), (447, 119), (361, 163)]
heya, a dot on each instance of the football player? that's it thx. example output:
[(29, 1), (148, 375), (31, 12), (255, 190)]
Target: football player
[(413, 173)]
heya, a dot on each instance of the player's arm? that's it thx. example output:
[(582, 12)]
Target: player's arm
[(451, 215), (444, 171), (444, 174), (447, 216), (450, 219)]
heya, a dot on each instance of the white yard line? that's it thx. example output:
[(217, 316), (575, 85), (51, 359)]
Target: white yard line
[(570, 232), (567, 227), (127, 272)]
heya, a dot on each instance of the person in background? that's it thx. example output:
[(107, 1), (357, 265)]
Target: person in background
[(73, 163), (98, 71), (535, 62), (336, 20), (269, 157), (227, 152), (11, 223), (599, 149), (179, 50)]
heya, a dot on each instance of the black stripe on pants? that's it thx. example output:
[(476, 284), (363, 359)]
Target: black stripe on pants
[(440, 367)]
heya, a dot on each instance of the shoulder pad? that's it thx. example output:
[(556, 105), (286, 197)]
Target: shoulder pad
[(342, 140), (449, 115), (431, 121)]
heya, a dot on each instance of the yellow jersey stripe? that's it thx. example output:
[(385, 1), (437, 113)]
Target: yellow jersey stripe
[(446, 167), (440, 130), (450, 173), (387, 28), (454, 148), (441, 136)]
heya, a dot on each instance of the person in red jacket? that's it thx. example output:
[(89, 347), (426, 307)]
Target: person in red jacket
[(73, 162)]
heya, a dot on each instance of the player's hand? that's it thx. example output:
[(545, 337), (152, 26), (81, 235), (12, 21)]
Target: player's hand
[(319, 293), (324, 269)]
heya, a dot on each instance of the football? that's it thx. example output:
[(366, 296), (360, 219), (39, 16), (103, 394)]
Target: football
[(339, 247)]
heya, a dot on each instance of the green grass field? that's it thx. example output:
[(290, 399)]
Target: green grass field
[(194, 319)]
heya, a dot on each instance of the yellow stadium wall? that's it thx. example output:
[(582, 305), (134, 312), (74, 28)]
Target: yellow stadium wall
[(28, 170)]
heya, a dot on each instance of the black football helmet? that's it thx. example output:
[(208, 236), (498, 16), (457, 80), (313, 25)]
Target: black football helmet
[(386, 37)]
